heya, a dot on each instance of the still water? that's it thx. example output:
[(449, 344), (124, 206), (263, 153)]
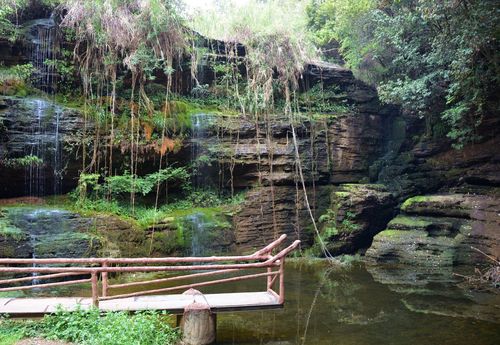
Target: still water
[(347, 306)]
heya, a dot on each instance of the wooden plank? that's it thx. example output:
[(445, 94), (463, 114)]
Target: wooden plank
[(175, 304)]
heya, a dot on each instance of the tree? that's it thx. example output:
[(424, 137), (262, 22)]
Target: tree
[(437, 59)]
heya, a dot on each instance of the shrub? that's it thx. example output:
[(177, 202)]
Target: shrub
[(90, 327)]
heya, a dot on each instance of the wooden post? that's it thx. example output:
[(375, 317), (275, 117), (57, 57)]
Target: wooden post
[(104, 279), (95, 290), (269, 279), (198, 323), (282, 281)]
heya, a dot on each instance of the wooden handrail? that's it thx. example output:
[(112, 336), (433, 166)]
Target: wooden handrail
[(100, 267), (270, 261)]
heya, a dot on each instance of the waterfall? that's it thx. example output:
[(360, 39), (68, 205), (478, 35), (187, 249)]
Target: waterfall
[(33, 241), (199, 158), (44, 141), (35, 177), (44, 46), (198, 228), (57, 171), (197, 133)]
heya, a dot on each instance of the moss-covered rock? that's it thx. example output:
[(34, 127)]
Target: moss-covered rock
[(440, 230), (412, 247), (356, 213)]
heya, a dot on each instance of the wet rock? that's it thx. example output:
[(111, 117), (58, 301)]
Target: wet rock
[(48, 233), (37, 127)]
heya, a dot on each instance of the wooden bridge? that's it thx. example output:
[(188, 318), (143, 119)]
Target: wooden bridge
[(95, 271)]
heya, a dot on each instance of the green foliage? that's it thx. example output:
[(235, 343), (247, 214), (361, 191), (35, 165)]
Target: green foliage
[(95, 186), (333, 227), (15, 80), (93, 328), (320, 99), (121, 184), (7, 229), (22, 162), (87, 183), (436, 59), (9, 13), (66, 69), (23, 72)]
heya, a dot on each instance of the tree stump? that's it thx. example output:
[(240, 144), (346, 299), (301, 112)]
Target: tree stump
[(198, 323)]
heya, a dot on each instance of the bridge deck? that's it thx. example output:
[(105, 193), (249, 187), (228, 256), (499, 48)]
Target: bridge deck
[(175, 304)]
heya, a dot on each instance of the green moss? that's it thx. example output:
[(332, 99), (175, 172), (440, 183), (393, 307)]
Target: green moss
[(390, 233), (409, 222), (414, 200), (61, 243), (8, 230), (342, 194)]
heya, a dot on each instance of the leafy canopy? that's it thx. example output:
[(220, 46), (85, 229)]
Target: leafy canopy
[(438, 59)]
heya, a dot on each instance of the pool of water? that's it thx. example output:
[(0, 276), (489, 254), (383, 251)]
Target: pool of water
[(344, 307)]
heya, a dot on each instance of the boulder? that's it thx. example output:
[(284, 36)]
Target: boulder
[(356, 213)]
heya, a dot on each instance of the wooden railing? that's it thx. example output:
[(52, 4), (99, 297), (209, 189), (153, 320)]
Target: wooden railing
[(96, 272)]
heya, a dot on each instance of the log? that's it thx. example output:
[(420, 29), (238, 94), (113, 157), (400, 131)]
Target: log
[(198, 323)]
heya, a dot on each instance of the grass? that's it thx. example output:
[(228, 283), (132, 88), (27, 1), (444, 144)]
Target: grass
[(143, 216), (90, 327), (265, 18)]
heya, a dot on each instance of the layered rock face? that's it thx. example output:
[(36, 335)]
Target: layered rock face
[(338, 148), (440, 230), (268, 212), (421, 165), (334, 149), (457, 204)]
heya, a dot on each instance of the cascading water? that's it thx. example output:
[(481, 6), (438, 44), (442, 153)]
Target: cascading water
[(43, 175), (198, 228), (52, 233), (42, 118), (44, 48), (199, 124), (197, 223)]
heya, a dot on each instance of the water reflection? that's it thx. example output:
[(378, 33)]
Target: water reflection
[(326, 306)]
